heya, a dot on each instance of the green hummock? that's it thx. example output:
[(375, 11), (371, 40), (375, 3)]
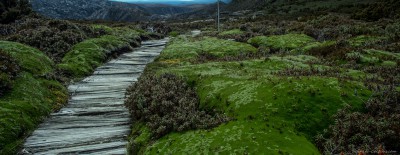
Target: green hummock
[(282, 42), (187, 49), (32, 98)]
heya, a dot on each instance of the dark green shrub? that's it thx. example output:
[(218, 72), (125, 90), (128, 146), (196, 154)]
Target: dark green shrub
[(394, 47), (331, 27), (9, 69), (381, 9), (54, 37), (336, 51), (11, 10), (174, 33), (166, 103), (393, 31), (6, 29), (53, 42), (378, 125)]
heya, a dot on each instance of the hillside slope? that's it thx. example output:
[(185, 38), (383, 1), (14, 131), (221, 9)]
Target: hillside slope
[(104, 10)]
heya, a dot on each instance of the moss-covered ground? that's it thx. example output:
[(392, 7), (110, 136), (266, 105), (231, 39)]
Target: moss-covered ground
[(188, 49), (33, 96), (274, 111)]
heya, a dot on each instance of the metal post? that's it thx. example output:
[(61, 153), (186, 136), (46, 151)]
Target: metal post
[(218, 16)]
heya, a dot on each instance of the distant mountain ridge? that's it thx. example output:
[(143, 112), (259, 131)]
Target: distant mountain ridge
[(105, 10), (130, 12), (173, 2)]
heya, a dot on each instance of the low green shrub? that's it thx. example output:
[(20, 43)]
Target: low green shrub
[(231, 32), (106, 29), (282, 42), (334, 50), (166, 103), (333, 26), (314, 45), (381, 9), (54, 37), (393, 31), (174, 33), (57, 43), (374, 57), (377, 126), (366, 41)]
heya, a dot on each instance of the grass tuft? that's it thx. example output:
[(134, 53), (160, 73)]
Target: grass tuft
[(282, 42)]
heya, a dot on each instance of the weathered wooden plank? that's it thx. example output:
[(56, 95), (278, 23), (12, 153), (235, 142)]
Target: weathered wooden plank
[(117, 147)]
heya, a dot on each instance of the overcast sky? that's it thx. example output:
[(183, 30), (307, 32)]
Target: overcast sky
[(170, 1)]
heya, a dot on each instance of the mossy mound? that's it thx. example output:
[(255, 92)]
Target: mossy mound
[(30, 59), (282, 42), (85, 56), (31, 99), (365, 40), (232, 32), (127, 34), (174, 34), (89, 54), (106, 29), (185, 49), (375, 57)]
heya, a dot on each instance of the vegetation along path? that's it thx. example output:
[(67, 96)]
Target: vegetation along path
[(95, 121)]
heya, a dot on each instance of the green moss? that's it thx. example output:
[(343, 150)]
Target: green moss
[(375, 57), (364, 40), (87, 55), (127, 34), (185, 49), (314, 45), (384, 55), (356, 74), (231, 32), (282, 42), (276, 114), (107, 29), (389, 64), (30, 59), (139, 139), (369, 59), (31, 99), (25, 106), (236, 137), (174, 34)]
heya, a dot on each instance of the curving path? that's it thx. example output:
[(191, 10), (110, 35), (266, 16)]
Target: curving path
[(95, 120)]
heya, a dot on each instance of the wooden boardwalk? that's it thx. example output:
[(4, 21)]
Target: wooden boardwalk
[(95, 120)]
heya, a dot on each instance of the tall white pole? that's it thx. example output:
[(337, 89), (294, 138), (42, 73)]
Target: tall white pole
[(218, 16)]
